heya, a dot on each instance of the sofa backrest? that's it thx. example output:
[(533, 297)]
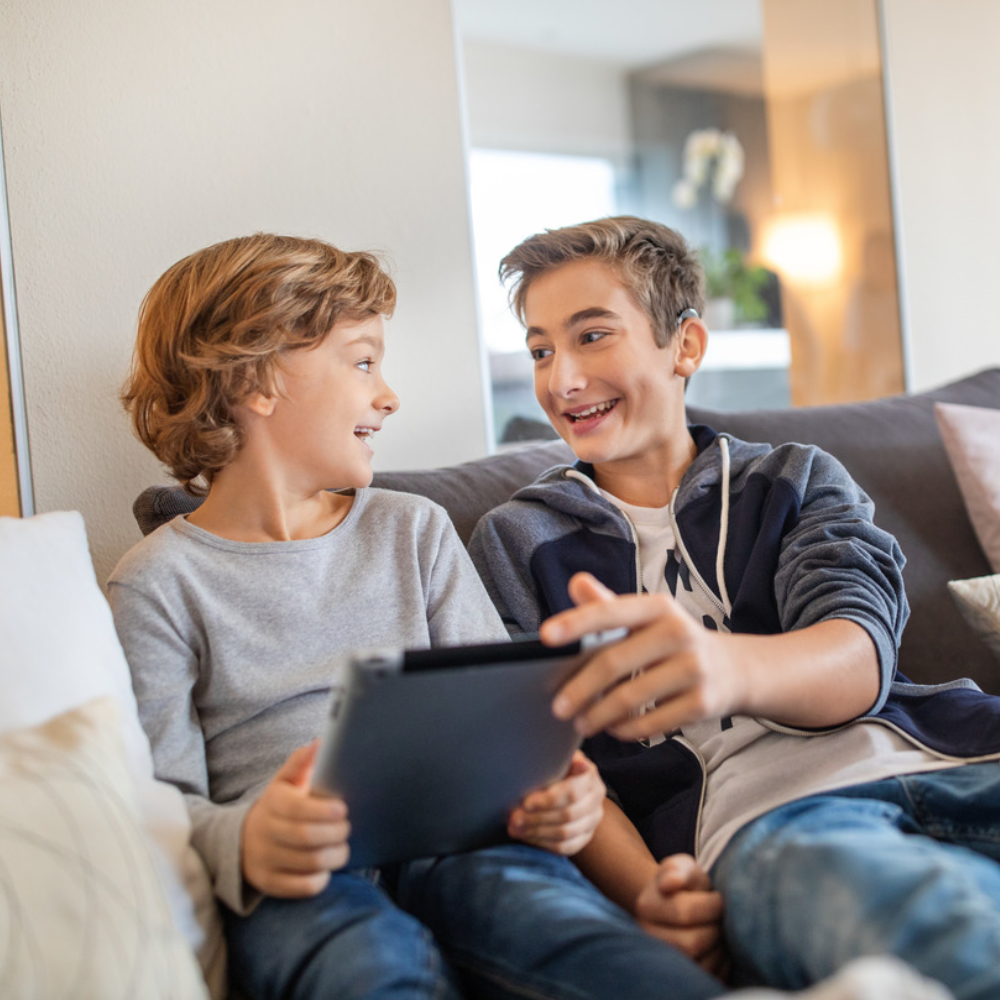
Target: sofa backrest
[(891, 446), (466, 490), (893, 449)]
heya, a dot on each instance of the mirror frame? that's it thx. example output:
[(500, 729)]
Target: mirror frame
[(19, 415)]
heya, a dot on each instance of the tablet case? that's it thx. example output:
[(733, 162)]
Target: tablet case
[(431, 749)]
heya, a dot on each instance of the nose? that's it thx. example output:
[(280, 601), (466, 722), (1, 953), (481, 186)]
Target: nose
[(565, 375), (387, 401)]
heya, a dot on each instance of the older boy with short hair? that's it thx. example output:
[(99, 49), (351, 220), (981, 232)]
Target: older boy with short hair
[(258, 371), (754, 701)]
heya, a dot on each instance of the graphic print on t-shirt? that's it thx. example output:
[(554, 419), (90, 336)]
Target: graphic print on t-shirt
[(663, 570)]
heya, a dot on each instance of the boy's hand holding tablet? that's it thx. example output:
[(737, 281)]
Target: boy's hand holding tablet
[(292, 839), (562, 817)]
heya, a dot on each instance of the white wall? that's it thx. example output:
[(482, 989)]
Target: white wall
[(545, 102), (136, 131), (943, 71)]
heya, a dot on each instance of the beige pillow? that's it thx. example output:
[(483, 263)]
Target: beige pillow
[(82, 911), (971, 437), (59, 649), (979, 601)]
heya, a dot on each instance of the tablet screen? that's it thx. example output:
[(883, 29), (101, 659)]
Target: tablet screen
[(431, 749)]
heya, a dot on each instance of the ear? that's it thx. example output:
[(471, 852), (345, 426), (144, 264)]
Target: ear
[(690, 343), (261, 404)]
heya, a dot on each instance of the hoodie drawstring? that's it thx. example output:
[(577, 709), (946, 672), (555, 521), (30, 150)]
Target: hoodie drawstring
[(720, 554)]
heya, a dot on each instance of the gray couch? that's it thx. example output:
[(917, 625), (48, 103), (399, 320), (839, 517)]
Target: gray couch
[(892, 448)]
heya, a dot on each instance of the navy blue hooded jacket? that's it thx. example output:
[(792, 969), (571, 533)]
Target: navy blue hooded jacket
[(796, 538)]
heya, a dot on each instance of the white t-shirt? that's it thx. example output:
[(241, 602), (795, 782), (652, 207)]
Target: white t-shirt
[(749, 768)]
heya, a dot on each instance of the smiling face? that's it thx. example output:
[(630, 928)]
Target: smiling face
[(331, 402), (614, 396)]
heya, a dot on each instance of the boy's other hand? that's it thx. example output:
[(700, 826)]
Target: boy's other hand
[(563, 816), (293, 839), (669, 665), (680, 907)]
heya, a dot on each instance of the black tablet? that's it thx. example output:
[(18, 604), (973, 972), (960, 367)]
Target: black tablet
[(432, 748)]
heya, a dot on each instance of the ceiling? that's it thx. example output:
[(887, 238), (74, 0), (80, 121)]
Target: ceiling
[(631, 33), (705, 44)]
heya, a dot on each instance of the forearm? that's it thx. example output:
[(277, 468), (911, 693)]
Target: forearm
[(814, 677), (617, 859), (819, 676), (672, 900)]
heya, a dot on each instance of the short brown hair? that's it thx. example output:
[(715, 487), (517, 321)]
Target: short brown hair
[(659, 269), (212, 331)]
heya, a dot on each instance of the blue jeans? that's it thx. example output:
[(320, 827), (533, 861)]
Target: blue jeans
[(509, 921), (906, 866)]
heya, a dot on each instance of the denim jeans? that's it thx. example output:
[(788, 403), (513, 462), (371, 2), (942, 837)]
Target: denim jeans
[(509, 921), (906, 866)]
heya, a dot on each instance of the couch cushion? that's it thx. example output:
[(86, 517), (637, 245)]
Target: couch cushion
[(82, 912), (971, 437), (979, 601), (59, 650), (468, 490)]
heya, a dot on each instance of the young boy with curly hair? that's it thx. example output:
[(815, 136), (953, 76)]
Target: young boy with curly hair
[(752, 716), (257, 379)]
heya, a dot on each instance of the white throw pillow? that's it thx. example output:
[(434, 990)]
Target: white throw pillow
[(59, 650), (979, 601), (971, 436), (82, 908)]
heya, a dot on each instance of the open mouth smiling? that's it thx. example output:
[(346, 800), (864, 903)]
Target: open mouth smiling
[(597, 410), (365, 434)]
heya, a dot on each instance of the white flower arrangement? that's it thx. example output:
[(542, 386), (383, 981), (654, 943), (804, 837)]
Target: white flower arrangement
[(709, 150)]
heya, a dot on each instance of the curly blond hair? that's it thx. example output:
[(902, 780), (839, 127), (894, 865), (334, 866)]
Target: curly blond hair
[(212, 332), (659, 269)]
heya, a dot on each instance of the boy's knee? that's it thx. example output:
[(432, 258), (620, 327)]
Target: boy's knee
[(366, 950)]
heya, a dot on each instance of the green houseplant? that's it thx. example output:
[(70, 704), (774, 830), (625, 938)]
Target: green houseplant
[(729, 276)]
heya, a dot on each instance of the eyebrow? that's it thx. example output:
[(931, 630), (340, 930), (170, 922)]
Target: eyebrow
[(372, 342), (582, 316)]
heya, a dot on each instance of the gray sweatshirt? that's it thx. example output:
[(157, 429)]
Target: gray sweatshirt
[(233, 646)]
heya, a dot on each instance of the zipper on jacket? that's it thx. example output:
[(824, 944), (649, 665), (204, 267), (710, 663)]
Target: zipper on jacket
[(692, 569), (638, 550), (684, 742), (642, 740), (720, 603)]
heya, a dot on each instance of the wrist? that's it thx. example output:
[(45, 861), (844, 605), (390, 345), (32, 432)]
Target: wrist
[(645, 882), (737, 674), (247, 844)]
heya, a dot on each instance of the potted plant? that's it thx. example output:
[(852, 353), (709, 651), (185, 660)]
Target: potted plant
[(730, 279)]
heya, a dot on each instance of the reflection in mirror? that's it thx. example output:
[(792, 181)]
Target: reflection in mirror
[(830, 233), (755, 129), (15, 480)]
